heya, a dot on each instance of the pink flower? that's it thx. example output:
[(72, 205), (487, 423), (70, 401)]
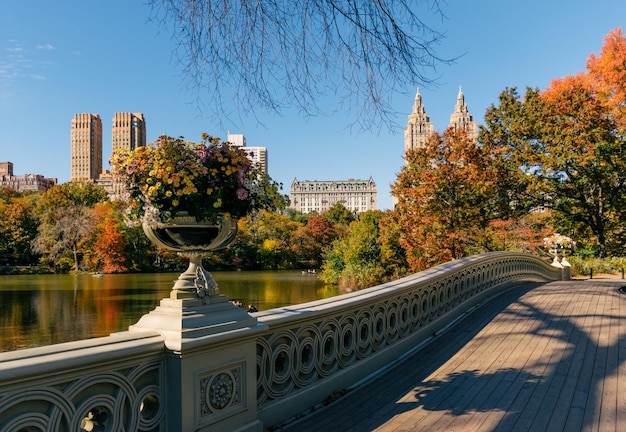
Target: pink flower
[(242, 194)]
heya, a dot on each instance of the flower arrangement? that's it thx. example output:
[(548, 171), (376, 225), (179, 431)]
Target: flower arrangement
[(558, 241), (204, 179)]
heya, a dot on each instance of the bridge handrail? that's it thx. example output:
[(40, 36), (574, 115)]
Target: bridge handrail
[(58, 387), (132, 381), (353, 335)]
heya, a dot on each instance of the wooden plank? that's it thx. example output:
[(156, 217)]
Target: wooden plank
[(555, 360)]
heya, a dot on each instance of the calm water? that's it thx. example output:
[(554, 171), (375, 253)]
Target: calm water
[(47, 309)]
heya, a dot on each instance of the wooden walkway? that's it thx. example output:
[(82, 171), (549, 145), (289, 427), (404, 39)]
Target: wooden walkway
[(548, 357)]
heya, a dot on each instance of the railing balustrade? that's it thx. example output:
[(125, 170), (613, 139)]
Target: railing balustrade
[(193, 366)]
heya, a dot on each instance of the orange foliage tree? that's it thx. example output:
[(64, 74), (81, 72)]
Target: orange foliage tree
[(444, 192), (568, 142), (110, 244)]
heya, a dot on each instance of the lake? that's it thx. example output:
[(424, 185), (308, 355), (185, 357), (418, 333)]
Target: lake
[(40, 310)]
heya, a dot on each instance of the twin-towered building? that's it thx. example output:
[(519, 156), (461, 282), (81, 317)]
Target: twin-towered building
[(360, 195), (128, 132), (419, 128)]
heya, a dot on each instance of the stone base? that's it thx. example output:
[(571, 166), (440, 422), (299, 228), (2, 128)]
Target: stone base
[(186, 323)]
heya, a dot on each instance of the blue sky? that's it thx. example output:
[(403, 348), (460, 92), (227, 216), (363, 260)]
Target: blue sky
[(65, 57)]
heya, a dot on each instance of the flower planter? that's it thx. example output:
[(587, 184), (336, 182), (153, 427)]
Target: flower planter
[(194, 240), (183, 233)]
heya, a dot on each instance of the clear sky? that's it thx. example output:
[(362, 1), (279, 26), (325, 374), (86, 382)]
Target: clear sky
[(59, 58)]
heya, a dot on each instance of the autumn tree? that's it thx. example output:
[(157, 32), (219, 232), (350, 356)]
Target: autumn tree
[(310, 241), (18, 227), (567, 142), (66, 220), (109, 244), (263, 241), (444, 193), (283, 53)]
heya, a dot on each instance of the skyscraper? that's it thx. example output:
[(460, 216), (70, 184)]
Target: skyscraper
[(419, 127), (461, 119), (86, 147), (256, 154), (128, 131)]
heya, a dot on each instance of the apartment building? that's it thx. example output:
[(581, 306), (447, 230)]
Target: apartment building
[(319, 196)]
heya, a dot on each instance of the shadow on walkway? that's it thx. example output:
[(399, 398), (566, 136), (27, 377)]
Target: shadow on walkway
[(537, 357)]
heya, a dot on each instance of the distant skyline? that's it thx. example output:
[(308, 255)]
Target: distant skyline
[(61, 58)]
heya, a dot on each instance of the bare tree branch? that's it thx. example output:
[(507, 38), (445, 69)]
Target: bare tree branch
[(239, 56)]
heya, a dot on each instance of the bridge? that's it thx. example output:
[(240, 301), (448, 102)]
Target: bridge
[(494, 340)]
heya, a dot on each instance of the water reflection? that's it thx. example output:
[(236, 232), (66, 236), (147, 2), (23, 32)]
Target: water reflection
[(40, 310)]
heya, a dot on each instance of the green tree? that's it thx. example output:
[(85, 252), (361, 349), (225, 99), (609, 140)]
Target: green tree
[(338, 214), (356, 260), (568, 143), (263, 242)]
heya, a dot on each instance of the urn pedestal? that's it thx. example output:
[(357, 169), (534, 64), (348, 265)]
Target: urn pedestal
[(194, 240), (211, 343)]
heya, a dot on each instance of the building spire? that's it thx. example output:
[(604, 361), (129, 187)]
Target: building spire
[(461, 118), (419, 127)]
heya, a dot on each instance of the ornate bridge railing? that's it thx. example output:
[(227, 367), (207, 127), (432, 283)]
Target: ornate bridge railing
[(194, 365), (312, 350), (117, 381)]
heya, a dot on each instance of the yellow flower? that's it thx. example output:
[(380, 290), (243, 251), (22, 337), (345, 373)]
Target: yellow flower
[(175, 203), (217, 203)]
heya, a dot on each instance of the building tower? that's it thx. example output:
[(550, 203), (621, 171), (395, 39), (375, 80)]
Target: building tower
[(461, 119), (128, 131), (419, 127), (86, 147), (237, 140), (256, 154)]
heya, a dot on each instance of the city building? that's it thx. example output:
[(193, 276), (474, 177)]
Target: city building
[(258, 155), (319, 196), (419, 128), (128, 132), (461, 119), (86, 147), (28, 182), (236, 139)]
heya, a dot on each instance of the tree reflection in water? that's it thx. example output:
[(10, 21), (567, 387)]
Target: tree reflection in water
[(38, 310)]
